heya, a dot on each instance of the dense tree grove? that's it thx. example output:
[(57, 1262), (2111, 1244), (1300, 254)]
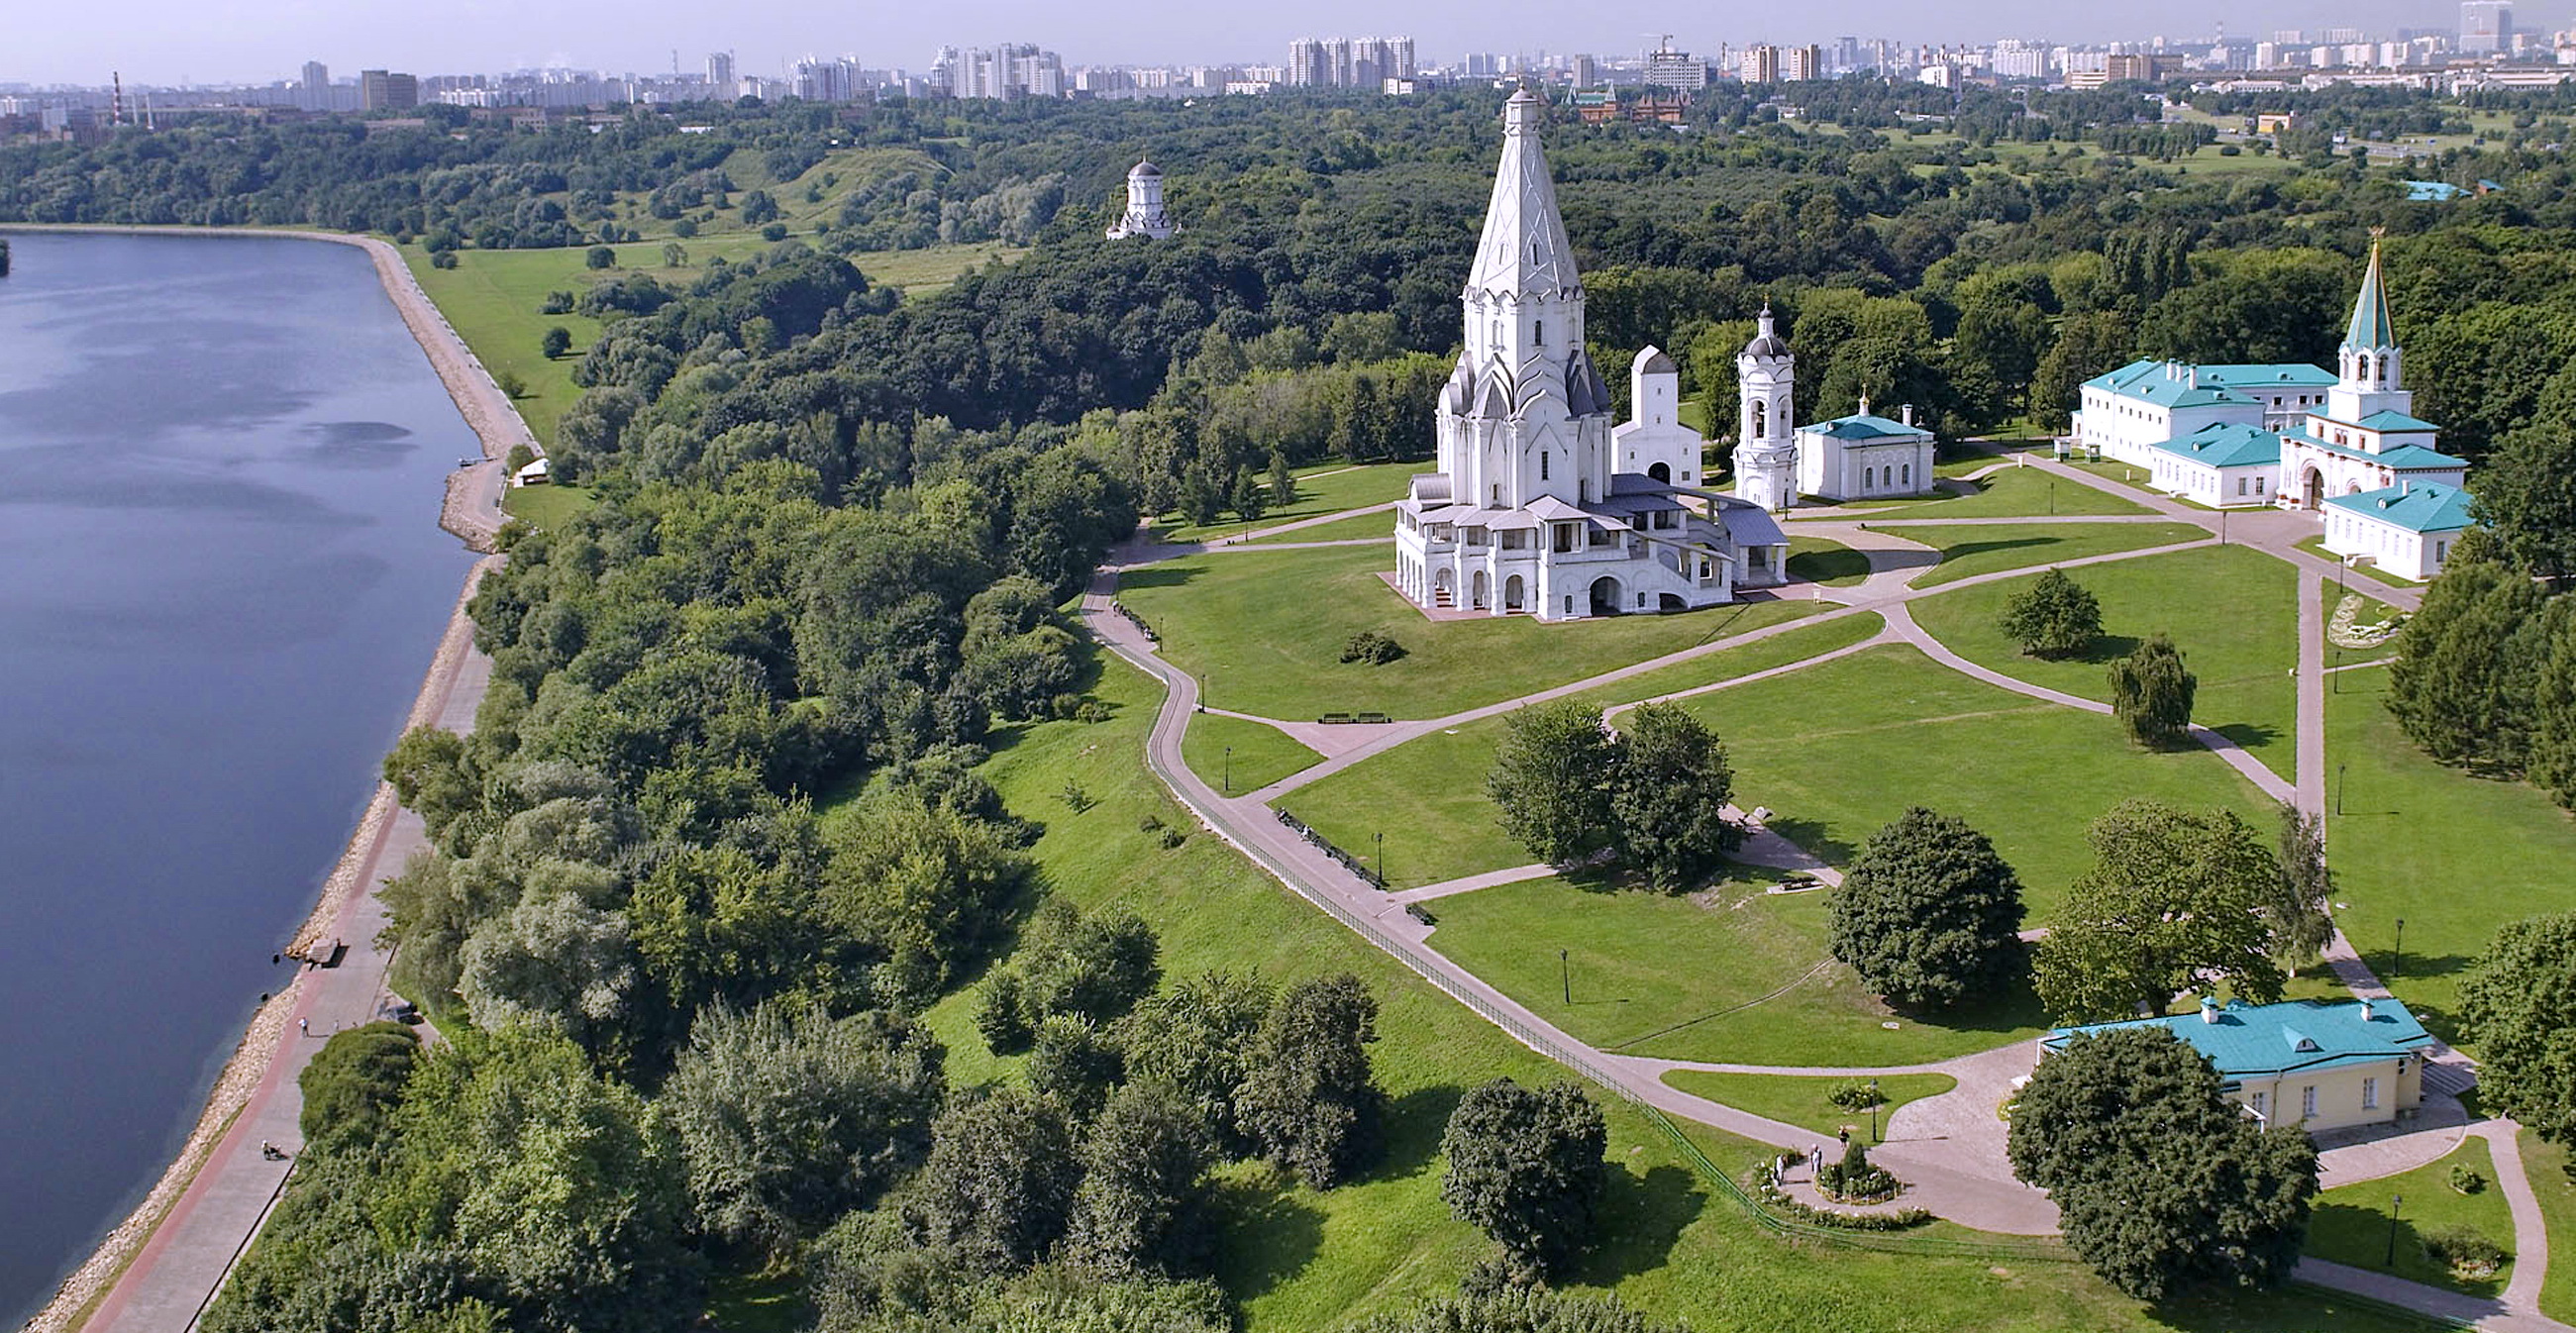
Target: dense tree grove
[(2161, 1183), (2519, 1005), (1566, 786)]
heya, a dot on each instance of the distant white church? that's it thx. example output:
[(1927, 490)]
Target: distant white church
[(1541, 505), (1144, 215), (1858, 457), (2342, 443)]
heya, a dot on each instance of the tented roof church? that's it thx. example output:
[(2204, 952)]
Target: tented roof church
[(1541, 505)]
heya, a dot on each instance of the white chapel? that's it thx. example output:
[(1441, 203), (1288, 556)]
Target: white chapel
[(1541, 505), (1144, 215)]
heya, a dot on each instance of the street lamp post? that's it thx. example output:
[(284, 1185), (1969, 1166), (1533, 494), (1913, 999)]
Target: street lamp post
[(1381, 859), (2340, 770), (2395, 1201), (1229, 770), (1565, 977), (2397, 967), (1873, 1112)]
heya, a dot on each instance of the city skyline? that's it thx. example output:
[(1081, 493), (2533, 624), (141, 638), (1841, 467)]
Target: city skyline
[(161, 42)]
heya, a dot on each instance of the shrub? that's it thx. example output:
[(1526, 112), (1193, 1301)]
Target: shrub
[(1855, 1095), (1003, 1017), (557, 303), (2465, 1251), (2466, 1180), (510, 384), (442, 259), (776, 231), (520, 456), (1854, 1179), (600, 256), (1371, 647)]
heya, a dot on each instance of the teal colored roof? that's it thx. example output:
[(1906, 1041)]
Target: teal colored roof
[(2153, 382), (2432, 191), (1863, 426), (2286, 375), (2258, 1041), (2403, 457), (2425, 506), (2226, 444), (2394, 421), (2370, 329)]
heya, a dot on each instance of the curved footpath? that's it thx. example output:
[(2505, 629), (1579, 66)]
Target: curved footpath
[(1947, 1147), (159, 1268)]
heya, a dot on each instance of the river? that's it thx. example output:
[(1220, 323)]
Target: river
[(221, 579)]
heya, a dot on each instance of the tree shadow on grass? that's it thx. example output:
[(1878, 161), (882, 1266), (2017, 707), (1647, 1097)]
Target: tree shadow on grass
[(1809, 834), (1641, 1221), (1264, 1235), (2359, 1235), (1168, 574), (2249, 735), (1414, 1125), (2104, 649)]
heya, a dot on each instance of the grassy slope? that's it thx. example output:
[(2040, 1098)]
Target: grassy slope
[(1300, 1260), (492, 297), (1379, 526), (1263, 633), (1820, 560), (1638, 968), (2234, 612), (2547, 1166), (546, 506), (2351, 1222), (1326, 488), (1983, 549), (2453, 855), (1795, 1100), (1261, 754)]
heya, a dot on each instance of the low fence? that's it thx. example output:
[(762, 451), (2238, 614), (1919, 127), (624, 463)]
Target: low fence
[(1358, 866)]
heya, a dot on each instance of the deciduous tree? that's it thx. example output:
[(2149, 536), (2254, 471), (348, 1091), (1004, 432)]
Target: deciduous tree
[(1929, 915), (2519, 1005), (1525, 1166), (2151, 692), (1310, 1100), (2174, 901), (2054, 617), (1669, 794), (1550, 780)]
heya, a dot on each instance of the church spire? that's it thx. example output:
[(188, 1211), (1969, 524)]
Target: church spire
[(1524, 251), (2371, 329)]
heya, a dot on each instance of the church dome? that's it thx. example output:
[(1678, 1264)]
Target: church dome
[(1143, 169), (1765, 341)]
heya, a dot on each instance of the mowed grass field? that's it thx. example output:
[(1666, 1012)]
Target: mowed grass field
[(1326, 488), (1977, 548), (1636, 972), (2454, 856), (2351, 1224), (2013, 492), (2234, 612), (1302, 1260), (493, 298), (1797, 1099), (1263, 631)]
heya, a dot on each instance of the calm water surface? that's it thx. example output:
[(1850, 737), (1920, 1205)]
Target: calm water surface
[(221, 579)]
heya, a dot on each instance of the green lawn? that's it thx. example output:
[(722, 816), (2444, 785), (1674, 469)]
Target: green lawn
[(1819, 560), (2351, 1223), (547, 506), (492, 298), (1326, 488), (1839, 751), (1638, 966), (1379, 525), (1986, 548), (2362, 575), (2233, 611), (2547, 1166), (1427, 796), (1264, 633), (1260, 754), (1300, 1260), (2014, 492), (2454, 856), (1794, 1099)]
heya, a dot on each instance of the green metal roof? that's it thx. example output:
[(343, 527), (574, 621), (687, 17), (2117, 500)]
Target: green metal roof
[(2398, 422), (2425, 506), (2370, 329), (2402, 457), (2167, 385), (1863, 426), (2226, 444), (2258, 1041), (2257, 376)]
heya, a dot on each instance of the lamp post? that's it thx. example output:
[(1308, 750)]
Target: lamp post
[(1229, 770), (2398, 965), (1873, 1112), (2340, 770), (2395, 1201), (1565, 977), (1381, 858)]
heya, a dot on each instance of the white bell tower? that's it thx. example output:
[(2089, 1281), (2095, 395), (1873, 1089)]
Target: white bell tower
[(1766, 459)]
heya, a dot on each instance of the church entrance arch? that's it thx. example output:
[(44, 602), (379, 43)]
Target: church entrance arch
[(1514, 598), (1483, 590), (2312, 488), (1605, 596), (1441, 585), (1662, 472)]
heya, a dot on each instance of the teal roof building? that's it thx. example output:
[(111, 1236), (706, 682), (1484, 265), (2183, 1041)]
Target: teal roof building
[(2323, 1064), (2420, 508)]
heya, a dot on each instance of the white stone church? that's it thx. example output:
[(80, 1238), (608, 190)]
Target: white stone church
[(1541, 505)]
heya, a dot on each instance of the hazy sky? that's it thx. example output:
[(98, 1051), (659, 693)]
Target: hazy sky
[(166, 41)]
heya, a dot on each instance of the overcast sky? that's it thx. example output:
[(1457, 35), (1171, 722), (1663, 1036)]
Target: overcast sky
[(168, 41)]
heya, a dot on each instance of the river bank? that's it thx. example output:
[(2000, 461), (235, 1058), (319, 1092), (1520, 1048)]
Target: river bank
[(214, 1161)]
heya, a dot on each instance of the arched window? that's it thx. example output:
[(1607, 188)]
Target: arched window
[(1761, 418), (1909, 475)]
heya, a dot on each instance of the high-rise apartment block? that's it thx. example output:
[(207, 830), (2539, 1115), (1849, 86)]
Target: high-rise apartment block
[(384, 90), (2486, 27), (1349, 62), (1680, 70)]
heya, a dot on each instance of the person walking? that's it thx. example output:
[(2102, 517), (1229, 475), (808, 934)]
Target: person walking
[(305, 1026)]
